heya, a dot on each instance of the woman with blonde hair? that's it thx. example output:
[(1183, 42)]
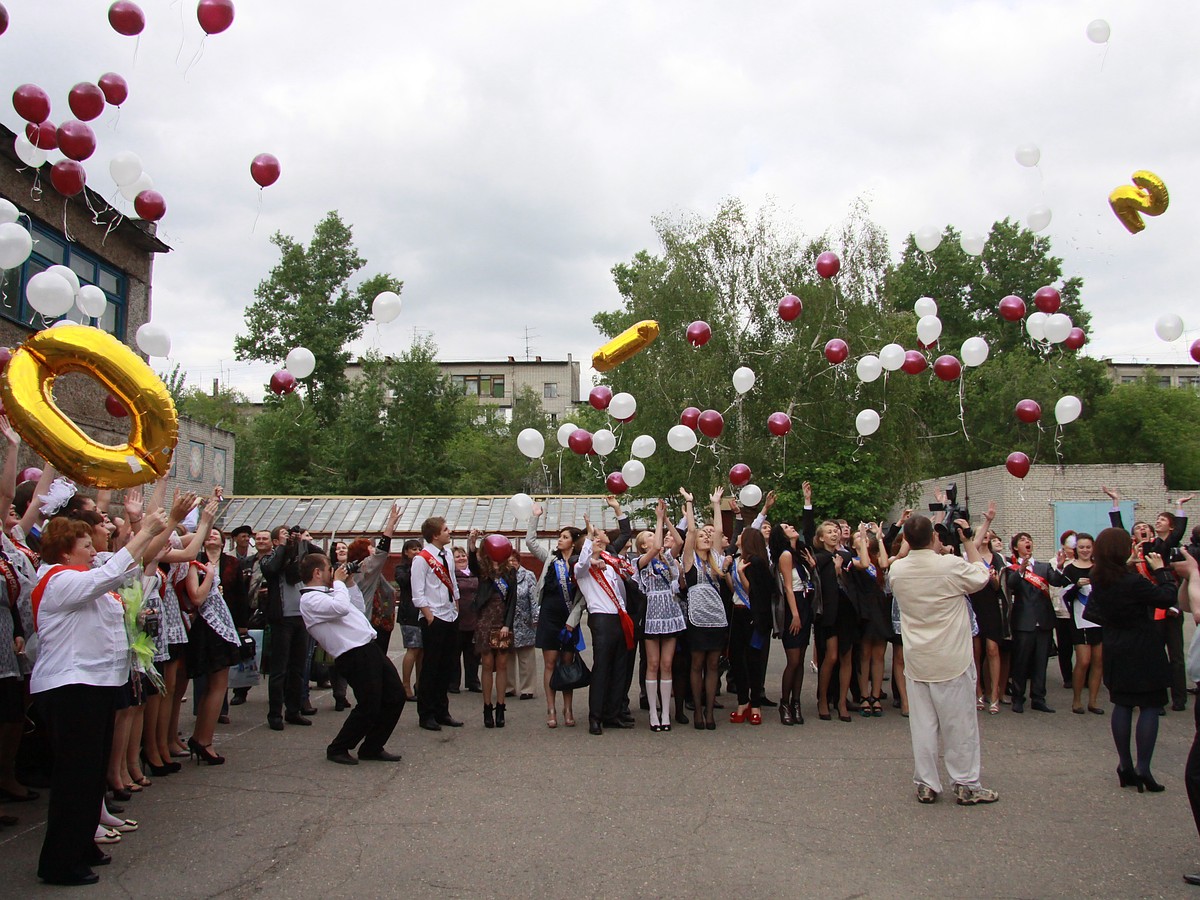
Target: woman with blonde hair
[(707, 618), (658, 577)]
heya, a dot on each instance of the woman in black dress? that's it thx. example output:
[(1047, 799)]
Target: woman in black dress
[(867, 576), (707, 618), (836, 627), (796, 570), (1086, 636), (991, 613), (555, 600)]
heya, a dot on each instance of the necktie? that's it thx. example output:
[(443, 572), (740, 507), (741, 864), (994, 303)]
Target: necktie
[(449, 572)]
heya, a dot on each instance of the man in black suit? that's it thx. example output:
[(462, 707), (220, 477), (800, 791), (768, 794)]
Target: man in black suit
[(1027, 584)]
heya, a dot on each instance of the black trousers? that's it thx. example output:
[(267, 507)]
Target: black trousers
[(1030, 656), (440, 640), (745, 662), (289, 656), (80, 719), (383, 639), (378, 695), (1191, 773), (1177, 657), (465, 672), (608, 666), (1064, 636)]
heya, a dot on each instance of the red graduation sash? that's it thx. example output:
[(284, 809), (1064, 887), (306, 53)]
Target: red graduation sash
[(41, 587), (439, 570), (626, 621)]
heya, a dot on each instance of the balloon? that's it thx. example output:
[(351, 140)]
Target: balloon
[(751, 495), (265, 170), (386, 307), (283, 382), (739, 475), (1057, 327), (521, 505), (150, 205), (214, 17), (86, 101), (1098, 31), (153, 340), (625, 345), (615, 482), (1047, 299), (115, 407), (779, 423), (580, 441), (622, 406), (114, 88), (27, 153), (743, 379), (972, 243), (1169, 327), (68, 177), (681, 438), (1038, 218), (867, 422), (43, 136), (947, 368), (711, 423), (1012, 308), (836, 351), (300, 362), (1028, 155), (1028, 411), (634, 473), (926, 306), (49, 294), (974, 351), (143, 183), (604, 442), (1036, 325), (699, 334), (497, 547), (891, 357), (914, 362), (8, 212), (15, 245), (643, 447), (790, 308), (32, 473), (1017, 464), (1067, 410), (31, 103), (531, 442), (91, 301), (3, 19), (76, 140), (600, 396), (1194, 350), (71, 278), (565, 430), (690, 417), (126, 18), (1148, 198), (929, 329), (927, 238), (1076, 338), (26, 391), (828, 264), (868, 369)]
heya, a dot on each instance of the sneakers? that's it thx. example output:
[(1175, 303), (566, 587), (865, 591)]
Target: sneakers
[(926, 794), (969, 796)]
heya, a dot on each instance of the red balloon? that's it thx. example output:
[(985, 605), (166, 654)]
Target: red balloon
[(947, 368), (629, 418), (925, 346), (615, 482), (31, 473), (1075, 338), (150, 205), (914, 362), (601, 395), (790, 308), (3, 19), (699, 334), (114, 87), (828, 264), (1028, 411), (115, 407), (497, 547), (711, 423), (1047, 299), (68, 177), (76, 140), (86, 101), (215, 15), (740, 475), (779, 423), (690, 417), (580, 441), (43, 136), (1195, 350), (283, 382), (836, 351), (31, 103), (126, 18), (1017, 464), (5, 356), (264, 169), (1012, 308)]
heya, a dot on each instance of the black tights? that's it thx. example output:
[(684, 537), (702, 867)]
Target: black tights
[(792, 684), (1147, 734), (704, 681)]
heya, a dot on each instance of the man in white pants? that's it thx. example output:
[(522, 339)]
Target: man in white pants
[(935, 623)]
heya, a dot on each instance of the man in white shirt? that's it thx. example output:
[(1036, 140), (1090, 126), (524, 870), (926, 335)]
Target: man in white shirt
[(339, 626), (435, 595), (603, 592), (935, 625)]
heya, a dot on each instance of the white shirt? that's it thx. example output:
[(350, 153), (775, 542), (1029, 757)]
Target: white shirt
[(429, 592), (596, 596), (333, 620)]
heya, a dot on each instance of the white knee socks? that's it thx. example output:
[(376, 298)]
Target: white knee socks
[(652, 697)]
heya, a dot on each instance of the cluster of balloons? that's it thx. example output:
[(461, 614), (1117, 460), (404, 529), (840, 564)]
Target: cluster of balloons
[(1046, 325), (300, 363), (55, 291), (127, 18)]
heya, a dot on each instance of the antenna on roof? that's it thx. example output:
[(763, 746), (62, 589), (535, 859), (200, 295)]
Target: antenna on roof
[(529, 333)]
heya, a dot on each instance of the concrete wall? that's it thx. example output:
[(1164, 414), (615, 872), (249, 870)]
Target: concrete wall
[(210, 444)]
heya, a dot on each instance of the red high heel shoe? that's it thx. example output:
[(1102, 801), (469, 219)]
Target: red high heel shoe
[(755, 718), (737, 717)]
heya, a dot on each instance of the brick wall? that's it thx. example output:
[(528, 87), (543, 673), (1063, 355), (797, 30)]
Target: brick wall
[(210, 444)]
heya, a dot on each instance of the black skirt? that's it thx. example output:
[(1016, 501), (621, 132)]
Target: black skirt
[(705, 640), (208, 652)]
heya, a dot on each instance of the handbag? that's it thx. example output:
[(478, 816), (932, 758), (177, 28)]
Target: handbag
[(570, 676), (499, 641), (246, 646)]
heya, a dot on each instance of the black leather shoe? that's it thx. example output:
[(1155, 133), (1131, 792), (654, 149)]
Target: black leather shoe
[(275, 722), (430, 725), (237, 700), (594, 726), (1192, 879), (769, 703), (1018, 706), (380, 756), (83, 876), (449, 722), (343, 758), (454, 690), (308, 710), (294, 719), (1178, 707), (527, 696), (1040, 706), (102, 860), (618, 723), (340, 704)]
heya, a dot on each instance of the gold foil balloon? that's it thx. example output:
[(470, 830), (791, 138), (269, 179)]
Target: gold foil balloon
[(1149, 198), (27, 389), (626, 344)]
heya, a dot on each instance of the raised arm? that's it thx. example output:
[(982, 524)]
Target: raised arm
[(179, 509), (473, 552), (623, 526), (689, 540), (808, 523), (718, 521), (656, 542), (196, 542), (8, 474), (540, 550), (1114, 514), (981, 537), (1181, 523), (33, 512)]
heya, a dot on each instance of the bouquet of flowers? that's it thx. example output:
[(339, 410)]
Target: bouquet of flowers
[(141, 644)]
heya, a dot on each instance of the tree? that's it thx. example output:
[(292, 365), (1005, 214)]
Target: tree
[(307, 301)]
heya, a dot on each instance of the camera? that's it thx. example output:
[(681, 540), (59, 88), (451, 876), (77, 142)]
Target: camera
[(946, 529), (352, 568), (150, 622)]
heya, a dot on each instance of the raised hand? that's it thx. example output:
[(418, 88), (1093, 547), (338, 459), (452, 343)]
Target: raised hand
[(182, 505), (990, 515), (614, 504), (717, 494), (209, 513), (769, 502), (1111, 492), (537, 511), (686, 495), (134, 505), (10, 433), (660, 508), (807, 487), (155, 522)]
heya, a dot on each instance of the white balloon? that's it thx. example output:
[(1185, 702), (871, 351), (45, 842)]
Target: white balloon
[(153, 340), (1035, 324), (1169, 327), (50, 294), (1067, 410), (929, 329), (386, 307), (634, 472), (743, 379), (565, 430), (891, 357), (8, 212), (70, 276), (1058, 326), (521, 505), (927, 238), (974, 351), (604, 442), (867, 422), (1098, 31), (531, 443), (751, 495), (868, 368), (1028, 155), (926, 306), (622, 406), (125, 168), (681, 438), (15, 245), (300, 362), (643, 447), (27, 153), (972, 243), (1038, 218), (91, 301), (143, 183)]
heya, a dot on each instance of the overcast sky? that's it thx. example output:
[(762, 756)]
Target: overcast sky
[(500, 158)]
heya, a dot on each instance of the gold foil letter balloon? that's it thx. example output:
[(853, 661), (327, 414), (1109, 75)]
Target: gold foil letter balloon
[(628, 343), (1149, 198), (27, 389)]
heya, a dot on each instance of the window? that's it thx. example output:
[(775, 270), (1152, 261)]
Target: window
[(550, 391), (553, 418), (1190, 381), (1128, 379), (482, 385), (498, 387), (1164, 380)]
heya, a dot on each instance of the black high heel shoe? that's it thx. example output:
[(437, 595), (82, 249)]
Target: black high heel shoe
[(203, 754), (1127, 777), (488, 721), (1147, 782), (499, 715), (159, 771)]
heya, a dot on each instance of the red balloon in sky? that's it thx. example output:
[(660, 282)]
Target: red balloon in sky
[(1017, 464), (76, 140), (1047, 299), (3, 19), (86, 101), (790, 308), (711, 423), (31, 103), (68, 177), (214, 15), (699, 334), (615, 482), (1012, 308), (828, 264), (497, 547), (5, 356), (1195, 350), (150, 205), (126, 18), (601, 395), (115, 407), (947, 367), (1028, 411), (740, 475), (283, 382), (914, 362), (43, 136), (1076, 338), (114, 87), (779, 423), (836, 351), (690, 417), (580, 441), (264, 169)]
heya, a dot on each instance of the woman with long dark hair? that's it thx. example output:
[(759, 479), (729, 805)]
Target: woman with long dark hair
[(868, 575), (1088, 637), (795, 568), (496, 606), (836, 631), (750, 623), (556, 598)]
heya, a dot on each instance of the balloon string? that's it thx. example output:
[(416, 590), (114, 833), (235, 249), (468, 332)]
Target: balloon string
[(885, 384), (35, 191), (182, 33), (195, 59), (66, 231), (137, 45), (1058, 439), (257, 212), (962, 413)]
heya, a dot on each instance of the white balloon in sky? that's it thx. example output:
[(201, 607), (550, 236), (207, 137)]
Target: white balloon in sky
[(1058, 327), (634, 472), (643, 447), (15, 245), (1098, 31), (1169, 327), (91, 301), (27, 153), (891, 357), (926, 306), (386, 307), (972, 243), (604, 442), (869, 368), (1036, 325), (153, 340), (927, 238), (49, 294), (68, 275), (143, 183), (1028, 155), (1038, 218), (301, 362), (125, 168), (8, 212), (565, 430)]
